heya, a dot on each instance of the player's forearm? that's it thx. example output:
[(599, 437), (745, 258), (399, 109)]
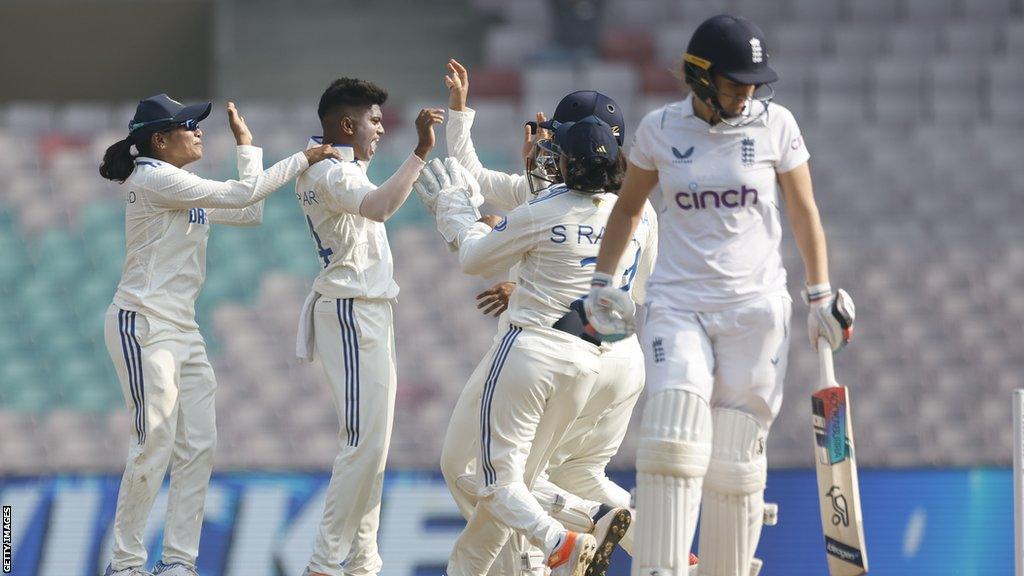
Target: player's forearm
[(249, 216), (810, 241), (384, 201), (617, 233), (503, 190), (195, 192), (477, 256)]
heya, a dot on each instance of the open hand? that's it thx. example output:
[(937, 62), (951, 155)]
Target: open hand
[(242, 135), (494, 300), (318, 153), (457, 82), (425, 121)]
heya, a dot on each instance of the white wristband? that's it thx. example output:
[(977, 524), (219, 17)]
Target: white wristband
[(601, 279)]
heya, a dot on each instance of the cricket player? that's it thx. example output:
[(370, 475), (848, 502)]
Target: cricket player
[(347, 321), (151, 331), (539, 378), (578, 467), (716, 336)]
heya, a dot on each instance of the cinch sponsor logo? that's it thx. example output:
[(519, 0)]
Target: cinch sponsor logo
[(714, 199)]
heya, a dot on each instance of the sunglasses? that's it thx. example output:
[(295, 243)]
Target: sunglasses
[(191, 125)]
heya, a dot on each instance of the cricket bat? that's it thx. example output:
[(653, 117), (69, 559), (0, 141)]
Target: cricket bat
[(838, 491)]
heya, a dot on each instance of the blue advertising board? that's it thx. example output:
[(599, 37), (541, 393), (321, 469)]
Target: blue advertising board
[(936, 522)]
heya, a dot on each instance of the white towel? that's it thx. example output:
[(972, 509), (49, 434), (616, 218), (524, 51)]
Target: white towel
[(304, 338)]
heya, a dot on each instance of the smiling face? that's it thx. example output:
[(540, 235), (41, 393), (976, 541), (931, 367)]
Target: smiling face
[(365, 128), (178, 146)]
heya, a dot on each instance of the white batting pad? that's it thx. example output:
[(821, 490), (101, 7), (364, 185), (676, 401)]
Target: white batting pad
[(675, 448), (733, 510)]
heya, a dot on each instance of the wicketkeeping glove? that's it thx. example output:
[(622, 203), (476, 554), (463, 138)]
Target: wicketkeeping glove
[(439, 175), (610, 311), (457, 199), (831, 316)]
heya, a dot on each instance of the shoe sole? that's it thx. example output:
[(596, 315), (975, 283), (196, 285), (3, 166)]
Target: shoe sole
[(585, 557), (603, 556)]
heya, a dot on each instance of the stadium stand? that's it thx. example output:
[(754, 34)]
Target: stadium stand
[(911, 110)]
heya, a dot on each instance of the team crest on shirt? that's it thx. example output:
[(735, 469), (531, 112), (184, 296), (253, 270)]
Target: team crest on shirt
[(747, 152)]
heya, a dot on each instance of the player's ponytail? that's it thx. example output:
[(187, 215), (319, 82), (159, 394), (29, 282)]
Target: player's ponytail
[(118, 161)]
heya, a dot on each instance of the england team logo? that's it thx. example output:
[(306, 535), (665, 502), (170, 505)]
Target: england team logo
[(756, 52), (747, 152)]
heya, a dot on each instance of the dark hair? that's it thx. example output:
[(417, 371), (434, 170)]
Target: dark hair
[(350, 92), (118, 161), (595, 174)]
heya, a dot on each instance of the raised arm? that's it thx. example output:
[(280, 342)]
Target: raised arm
[(178, 189), (504, 191), (382, 202)]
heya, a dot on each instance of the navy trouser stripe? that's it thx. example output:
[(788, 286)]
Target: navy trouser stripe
[(350, 352), (132, 350), (485, 402)]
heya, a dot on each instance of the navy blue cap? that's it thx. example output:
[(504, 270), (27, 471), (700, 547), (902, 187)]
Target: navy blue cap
[(733, 47), (161, 111), (591, 137), (582, 103)]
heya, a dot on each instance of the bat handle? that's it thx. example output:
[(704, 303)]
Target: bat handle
[(828, 370)]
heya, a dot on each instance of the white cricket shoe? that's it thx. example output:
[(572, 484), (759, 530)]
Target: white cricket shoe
[(137, 571), (610, 525), (174, 569), (573, 555)]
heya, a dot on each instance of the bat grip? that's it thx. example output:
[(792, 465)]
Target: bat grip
[(825, 366)]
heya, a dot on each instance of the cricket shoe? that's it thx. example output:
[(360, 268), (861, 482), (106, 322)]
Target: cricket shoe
[(308, 572), (174, 569), (572, 556), (610, 525), (138, 571)]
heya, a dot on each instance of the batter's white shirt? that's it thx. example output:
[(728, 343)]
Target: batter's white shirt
[(168, 212), (720, 221), (353, 250), (554, 239)]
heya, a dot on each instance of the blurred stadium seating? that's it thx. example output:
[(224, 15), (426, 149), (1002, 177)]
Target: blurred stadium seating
[(911, 110)]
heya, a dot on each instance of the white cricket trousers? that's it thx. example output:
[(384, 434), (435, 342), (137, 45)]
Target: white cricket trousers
[(355, 344), (537, 382), (168, 386), (577, 468)]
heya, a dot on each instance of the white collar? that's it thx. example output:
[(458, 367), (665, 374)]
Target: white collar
[(147, 161), (348, 154)]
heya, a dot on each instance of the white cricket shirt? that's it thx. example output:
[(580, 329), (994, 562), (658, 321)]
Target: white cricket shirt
[(554, 239), (168, 212), (353, 250), (720, 221)]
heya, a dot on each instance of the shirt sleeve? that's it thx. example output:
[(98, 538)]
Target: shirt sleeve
[(504, 191), (175, 188), (248, 216), (343, 187), (640, 152), (485, 252), (789, 142)]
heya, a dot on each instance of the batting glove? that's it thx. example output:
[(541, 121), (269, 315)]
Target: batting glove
[(831, 316), (610, 311)]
